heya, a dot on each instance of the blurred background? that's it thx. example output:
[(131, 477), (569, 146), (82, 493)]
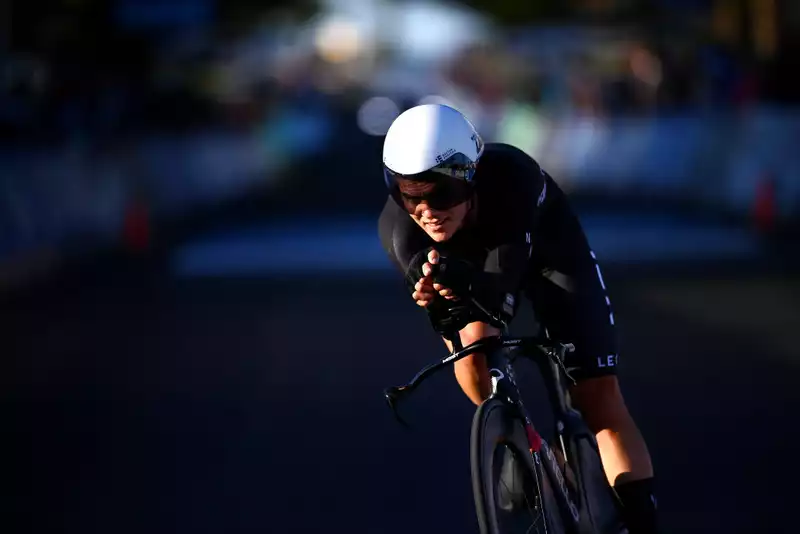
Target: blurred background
[(198, 318)]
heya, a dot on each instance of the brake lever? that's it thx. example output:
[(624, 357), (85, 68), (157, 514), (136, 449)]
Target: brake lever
[(392, 396)]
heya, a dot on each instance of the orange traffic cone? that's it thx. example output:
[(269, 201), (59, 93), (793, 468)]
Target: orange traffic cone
[(136, 227), (764, 206)]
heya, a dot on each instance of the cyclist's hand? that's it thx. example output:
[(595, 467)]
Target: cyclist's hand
[(423, 289), (424, 292), (426, 286), (433, 259)]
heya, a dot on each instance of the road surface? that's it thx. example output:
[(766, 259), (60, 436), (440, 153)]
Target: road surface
[(187, 405)]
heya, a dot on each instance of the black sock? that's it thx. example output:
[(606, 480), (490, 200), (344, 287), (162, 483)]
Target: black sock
[(638, 506)]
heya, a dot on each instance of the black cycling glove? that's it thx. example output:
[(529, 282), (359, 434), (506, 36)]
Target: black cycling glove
[(455, 274), (467, 281), (494, 303)]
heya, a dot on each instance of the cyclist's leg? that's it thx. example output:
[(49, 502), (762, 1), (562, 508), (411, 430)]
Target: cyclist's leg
[(472, 373), (569, 298), (597, 395), (623, 450)]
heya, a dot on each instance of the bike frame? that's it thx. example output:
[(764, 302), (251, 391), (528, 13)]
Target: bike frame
[(504, 387), (549, 357)]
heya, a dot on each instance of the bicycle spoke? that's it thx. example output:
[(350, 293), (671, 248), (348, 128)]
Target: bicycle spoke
[(534, 509), (536, 519), (541, 508)]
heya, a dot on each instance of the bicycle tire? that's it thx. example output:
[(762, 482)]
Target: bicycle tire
[(496, 423)]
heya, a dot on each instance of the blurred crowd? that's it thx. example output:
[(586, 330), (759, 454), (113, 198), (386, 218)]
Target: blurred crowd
[(196, 79), (97, 119), (53, 99)]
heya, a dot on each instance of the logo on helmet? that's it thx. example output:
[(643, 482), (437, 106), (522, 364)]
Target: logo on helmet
[(444, 155)]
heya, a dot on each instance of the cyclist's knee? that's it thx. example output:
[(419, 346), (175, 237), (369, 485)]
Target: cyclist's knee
[(601, 403), (471, 372), (473, 377)]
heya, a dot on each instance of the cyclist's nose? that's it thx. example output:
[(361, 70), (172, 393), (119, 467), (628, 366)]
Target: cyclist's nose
[(426, 212)]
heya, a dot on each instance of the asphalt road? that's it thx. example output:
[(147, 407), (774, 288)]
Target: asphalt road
[(189, 406)]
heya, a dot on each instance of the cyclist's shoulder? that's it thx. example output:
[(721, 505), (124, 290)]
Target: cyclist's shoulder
[(509, 176), (508, 167)]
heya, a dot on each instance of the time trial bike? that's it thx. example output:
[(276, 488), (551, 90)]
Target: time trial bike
[(521, 482)]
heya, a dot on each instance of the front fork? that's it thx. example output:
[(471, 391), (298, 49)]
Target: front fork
[(503, 384)]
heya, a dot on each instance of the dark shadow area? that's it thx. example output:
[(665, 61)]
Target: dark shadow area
[(238, 406)]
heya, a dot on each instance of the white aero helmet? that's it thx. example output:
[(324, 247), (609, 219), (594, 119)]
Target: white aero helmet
[(431, 144)]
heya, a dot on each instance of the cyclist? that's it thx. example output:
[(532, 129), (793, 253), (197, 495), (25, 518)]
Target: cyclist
[(498, 225)]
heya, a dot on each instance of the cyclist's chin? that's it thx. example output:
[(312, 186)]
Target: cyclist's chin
[(447, 223), (438, 235), (439, 232)]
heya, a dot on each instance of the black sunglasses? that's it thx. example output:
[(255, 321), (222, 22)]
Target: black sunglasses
[(452, 180)]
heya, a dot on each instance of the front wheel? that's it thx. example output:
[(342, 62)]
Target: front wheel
[(511, 496)]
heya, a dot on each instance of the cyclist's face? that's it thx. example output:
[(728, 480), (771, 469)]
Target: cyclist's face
[(438, 208), (439, 224)]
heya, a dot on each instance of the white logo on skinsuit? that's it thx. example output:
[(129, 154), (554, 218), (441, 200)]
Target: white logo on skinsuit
[(608, 361)]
